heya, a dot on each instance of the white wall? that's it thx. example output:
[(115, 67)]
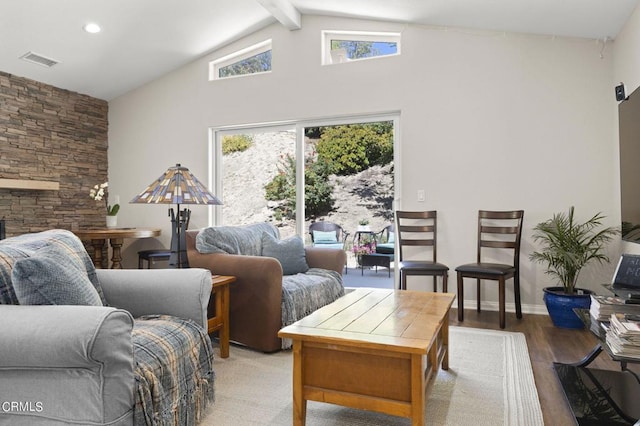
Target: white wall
[(488, 121)]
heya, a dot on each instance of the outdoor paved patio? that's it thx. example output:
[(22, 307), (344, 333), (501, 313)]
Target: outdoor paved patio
[(356, 277)]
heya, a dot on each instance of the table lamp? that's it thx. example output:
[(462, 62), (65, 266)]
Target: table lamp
[(177, 186)]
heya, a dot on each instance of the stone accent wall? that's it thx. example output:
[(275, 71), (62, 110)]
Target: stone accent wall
[(51, 134)]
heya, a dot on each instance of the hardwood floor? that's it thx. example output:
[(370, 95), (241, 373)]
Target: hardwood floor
[(546, 344)]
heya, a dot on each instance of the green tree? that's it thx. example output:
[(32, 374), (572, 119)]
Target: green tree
[(282, 187), (355, 49), (352, 148), (318, 191), (236, 143)]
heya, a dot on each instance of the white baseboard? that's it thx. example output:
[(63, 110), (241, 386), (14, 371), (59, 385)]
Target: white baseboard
[(509, 307)]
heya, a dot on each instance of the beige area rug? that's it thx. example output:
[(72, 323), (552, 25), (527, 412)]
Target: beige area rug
[(489, 382)]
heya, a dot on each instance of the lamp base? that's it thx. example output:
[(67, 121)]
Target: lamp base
[(179, 225)]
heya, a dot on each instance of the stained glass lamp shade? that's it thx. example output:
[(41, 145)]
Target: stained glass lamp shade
[(177, 186)]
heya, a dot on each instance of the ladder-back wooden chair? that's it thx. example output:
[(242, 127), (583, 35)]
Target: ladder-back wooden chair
[(419, 229), (496, 230)]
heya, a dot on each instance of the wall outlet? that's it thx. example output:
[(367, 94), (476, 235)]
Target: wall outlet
[(421, 195)]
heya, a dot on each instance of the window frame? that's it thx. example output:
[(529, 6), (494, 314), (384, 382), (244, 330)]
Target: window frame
[(372, 36), (239, 56)]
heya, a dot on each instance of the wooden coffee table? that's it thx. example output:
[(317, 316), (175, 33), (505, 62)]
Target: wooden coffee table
[(372, 349)]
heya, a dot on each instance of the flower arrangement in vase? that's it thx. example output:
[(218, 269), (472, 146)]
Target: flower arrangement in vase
[(363, 225), (101, 192), (365, 246)]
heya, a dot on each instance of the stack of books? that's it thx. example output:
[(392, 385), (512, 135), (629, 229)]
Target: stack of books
[(623, 335), (602, 307)]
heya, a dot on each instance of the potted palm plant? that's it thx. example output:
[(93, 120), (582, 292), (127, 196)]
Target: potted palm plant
[(568, 246)]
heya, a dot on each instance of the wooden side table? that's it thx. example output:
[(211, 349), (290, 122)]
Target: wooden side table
[(218, 311), (116, 236)]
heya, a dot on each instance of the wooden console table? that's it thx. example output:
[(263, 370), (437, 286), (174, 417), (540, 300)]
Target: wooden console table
[(218, 311), (116, 236)]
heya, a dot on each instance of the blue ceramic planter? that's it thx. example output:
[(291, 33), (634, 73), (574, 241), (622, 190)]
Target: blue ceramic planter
[(560, 306)]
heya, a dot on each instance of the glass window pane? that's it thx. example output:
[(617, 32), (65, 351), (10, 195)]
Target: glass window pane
[(349, 178), (258, 179), (365, 49), (254, 64)]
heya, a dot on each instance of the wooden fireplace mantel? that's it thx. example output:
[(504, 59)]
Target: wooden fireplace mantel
[(35, 185)]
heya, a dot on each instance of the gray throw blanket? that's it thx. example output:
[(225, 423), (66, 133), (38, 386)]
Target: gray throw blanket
[(173, 371), (302, 294), (246, 240)]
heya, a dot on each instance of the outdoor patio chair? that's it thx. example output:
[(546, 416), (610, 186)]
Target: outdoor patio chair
[(386, 240), (328, 235)]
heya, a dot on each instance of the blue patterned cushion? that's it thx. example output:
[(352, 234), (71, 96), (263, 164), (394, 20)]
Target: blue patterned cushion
[(290, 253), (69, 251), (43, 279), (338, 246), (325, 237), (385, 248)]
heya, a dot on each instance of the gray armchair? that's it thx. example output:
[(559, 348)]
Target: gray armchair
[(70, 364)]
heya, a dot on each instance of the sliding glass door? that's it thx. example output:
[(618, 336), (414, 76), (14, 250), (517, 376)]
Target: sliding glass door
[(291, 175), (255, 169)]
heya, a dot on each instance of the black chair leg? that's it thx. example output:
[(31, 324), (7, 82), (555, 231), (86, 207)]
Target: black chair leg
[(516, 292), (501, 301), (460, 298), (478, 294), (444, 282)]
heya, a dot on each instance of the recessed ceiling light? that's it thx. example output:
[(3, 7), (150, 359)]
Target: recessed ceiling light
[(92, 28)]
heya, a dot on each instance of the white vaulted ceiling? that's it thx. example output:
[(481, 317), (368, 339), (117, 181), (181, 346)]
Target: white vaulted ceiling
[(144, 39)]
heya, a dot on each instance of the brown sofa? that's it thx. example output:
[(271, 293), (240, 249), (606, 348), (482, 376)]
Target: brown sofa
[(255, 308)]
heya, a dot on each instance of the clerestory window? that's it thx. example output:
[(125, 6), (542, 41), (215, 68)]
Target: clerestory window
[(254, 59), (344, 46)]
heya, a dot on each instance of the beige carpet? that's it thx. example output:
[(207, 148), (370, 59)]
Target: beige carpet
[(489, 382)]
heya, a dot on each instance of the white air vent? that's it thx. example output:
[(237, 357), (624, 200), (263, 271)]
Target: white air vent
[(39, 59)]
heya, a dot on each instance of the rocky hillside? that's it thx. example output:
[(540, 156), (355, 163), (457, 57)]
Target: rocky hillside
[(366, 195)]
